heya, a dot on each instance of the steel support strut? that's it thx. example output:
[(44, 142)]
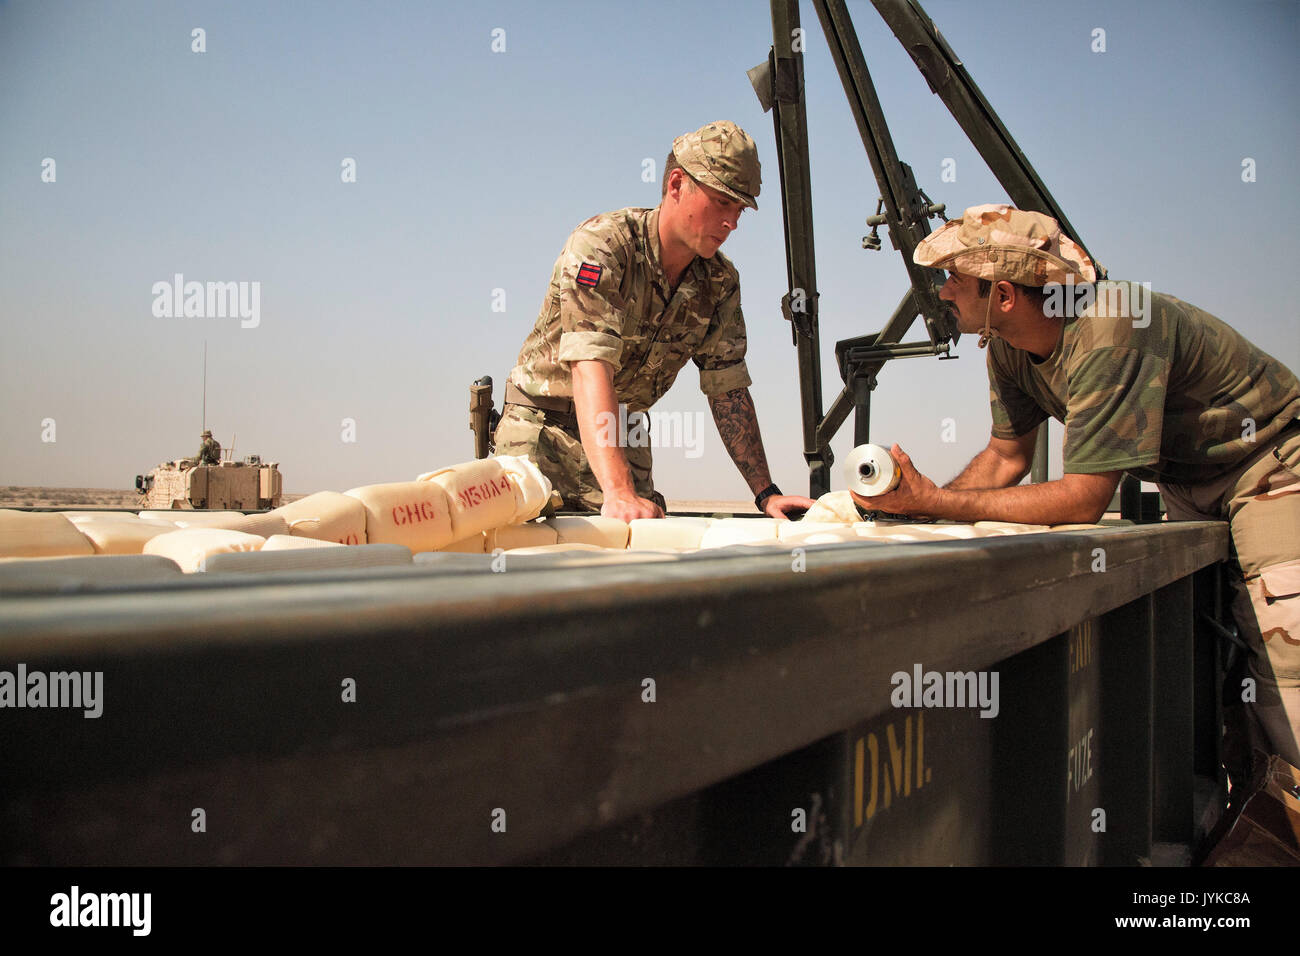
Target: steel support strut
[(779, 85), (948, 80), (904, 207)]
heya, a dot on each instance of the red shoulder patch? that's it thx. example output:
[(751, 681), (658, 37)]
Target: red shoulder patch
[(589, 274)]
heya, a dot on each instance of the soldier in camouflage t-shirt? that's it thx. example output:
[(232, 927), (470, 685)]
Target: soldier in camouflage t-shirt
[(1146, 385), (634, 295)]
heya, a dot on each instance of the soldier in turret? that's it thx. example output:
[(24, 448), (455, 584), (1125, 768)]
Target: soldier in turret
[(209, 451)]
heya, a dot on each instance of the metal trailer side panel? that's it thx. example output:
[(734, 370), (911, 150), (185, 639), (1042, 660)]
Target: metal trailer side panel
[(523, 692)]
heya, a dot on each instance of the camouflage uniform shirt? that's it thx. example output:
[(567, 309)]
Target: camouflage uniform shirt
[(609, 299), (1146, 384), (209, 452)]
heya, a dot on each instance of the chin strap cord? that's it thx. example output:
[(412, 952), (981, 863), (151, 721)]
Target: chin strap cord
[(988, 332)]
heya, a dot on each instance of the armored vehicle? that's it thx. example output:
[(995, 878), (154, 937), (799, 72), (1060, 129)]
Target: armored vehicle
[(232, 485)]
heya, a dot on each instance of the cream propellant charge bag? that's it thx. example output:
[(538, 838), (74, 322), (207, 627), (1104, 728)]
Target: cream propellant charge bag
[(290, 542), (122, 536), (532, 488), (34, 534), (530, 534), (590, 529), (834, 507), (728, 531), (678, 534), (326, 516), (191, 547), (480, 495), (416, 514)]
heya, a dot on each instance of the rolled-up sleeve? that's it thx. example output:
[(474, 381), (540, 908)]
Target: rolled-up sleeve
[(721, 356), (582, 346), (592, 310)]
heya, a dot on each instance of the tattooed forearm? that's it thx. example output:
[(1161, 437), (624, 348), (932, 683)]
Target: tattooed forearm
[(738, 425)]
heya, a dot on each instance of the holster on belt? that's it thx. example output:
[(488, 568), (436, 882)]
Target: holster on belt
[(558, 410), (483, 417)]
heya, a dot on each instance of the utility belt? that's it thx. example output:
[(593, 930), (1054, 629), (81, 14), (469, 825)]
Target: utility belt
[(558, 410)]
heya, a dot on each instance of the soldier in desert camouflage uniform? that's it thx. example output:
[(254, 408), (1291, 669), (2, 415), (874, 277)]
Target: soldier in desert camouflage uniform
[(633, 296), (209, 450), (1145, 384)]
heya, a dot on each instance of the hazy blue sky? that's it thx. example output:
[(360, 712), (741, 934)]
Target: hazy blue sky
[(473, 166)]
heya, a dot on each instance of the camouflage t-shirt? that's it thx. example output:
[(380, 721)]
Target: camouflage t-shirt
[(609, 299), (1147, 384)]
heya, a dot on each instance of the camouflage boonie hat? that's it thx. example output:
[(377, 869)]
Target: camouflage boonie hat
[(996, 241), (206, 434), (723, 157)]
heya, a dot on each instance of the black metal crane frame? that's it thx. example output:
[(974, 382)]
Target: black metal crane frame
[(904, 207)]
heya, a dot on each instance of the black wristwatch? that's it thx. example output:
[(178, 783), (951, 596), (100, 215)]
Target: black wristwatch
[(763, 495)]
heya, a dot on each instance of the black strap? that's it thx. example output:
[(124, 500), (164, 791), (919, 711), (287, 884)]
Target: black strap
[(763, 495)]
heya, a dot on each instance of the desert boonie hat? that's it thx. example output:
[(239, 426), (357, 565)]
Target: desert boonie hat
[(722, 156), (996, 241)]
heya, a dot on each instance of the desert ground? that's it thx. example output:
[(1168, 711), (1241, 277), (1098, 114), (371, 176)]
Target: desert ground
[(20, 496)]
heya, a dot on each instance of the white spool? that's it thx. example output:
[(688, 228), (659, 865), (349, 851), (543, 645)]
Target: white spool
[(870, 470)]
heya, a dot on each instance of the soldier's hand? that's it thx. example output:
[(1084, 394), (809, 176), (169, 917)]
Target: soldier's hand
[(628, 507), (914, 495), (780, 506)]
